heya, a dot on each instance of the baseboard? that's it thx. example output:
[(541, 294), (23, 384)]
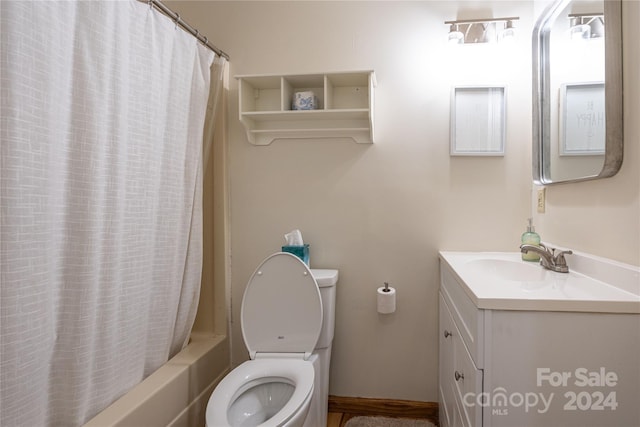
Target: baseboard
[(385, 407)]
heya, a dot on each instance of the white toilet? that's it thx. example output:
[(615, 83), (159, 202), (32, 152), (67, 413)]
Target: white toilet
[(287, 317)]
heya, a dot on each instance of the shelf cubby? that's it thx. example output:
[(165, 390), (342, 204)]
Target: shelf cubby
[(345, 106)]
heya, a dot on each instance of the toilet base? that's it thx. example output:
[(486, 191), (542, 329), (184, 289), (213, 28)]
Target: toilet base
[(317, 415)]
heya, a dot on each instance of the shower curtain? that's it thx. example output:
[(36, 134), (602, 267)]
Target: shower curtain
[(103, 106)]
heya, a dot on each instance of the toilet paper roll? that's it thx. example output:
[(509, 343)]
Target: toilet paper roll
[(306, 100), (386, 300)]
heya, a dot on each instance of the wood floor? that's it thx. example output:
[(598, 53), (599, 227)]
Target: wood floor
[(337, 419), (342, 409)]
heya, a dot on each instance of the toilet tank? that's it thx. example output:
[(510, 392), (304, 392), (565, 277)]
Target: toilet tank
[(327, 280)]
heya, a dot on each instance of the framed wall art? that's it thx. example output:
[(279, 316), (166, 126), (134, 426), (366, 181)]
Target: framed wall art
[(478, 120)]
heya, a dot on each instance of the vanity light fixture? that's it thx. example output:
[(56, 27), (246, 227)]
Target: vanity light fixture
[(487, 30), (585, 26)]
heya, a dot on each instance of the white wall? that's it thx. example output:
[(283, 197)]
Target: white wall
[(377, 212)]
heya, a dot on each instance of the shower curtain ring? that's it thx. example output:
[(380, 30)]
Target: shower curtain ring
[(177, 20)]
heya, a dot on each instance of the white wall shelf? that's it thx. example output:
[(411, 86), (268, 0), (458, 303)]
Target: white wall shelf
[(345, 98)]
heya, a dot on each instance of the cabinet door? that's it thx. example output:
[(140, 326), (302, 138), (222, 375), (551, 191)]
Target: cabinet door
[(460, 380), (468, 380)]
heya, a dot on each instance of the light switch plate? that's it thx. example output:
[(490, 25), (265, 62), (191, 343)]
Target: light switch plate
[(541, 200)]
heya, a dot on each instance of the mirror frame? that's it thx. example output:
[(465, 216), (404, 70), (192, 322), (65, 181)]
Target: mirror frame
[(613, 93)]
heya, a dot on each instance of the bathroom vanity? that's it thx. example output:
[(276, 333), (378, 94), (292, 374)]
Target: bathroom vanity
[(524, 346)]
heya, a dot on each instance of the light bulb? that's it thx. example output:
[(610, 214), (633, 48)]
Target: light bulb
[(580, 32), (455, 35), (508, 34)]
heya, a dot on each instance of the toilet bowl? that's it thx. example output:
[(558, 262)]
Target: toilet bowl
[(264, 392), (281, 320)]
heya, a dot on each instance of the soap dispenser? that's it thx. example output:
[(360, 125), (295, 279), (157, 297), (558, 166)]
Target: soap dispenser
[(530, 237)]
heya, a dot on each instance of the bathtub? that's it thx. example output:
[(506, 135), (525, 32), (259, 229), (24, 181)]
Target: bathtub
[(176, 394)]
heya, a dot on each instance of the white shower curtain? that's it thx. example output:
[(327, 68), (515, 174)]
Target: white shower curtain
[(103, 106)]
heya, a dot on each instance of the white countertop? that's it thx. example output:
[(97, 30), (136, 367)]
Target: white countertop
[(502, 281)]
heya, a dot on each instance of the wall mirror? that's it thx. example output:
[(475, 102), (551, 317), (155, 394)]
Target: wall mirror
[(577, 91)]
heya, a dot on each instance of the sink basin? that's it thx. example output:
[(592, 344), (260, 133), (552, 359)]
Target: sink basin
[(507, 269), (502, 280)]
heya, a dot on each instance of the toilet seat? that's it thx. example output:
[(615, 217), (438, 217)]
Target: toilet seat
[(298, 373), (281, 320), (281, 308)]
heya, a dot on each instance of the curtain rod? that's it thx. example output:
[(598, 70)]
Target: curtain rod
[(185, 26)]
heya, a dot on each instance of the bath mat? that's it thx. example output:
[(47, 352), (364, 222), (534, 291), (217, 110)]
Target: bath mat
[(386, 422)]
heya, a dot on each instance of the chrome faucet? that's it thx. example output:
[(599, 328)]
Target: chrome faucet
[(548, 257)]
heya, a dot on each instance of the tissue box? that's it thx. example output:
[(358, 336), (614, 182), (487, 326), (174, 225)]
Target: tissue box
[(305, 101), (301, 252)]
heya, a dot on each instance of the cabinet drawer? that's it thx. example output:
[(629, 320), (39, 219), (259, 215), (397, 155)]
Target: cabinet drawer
[(467, 317), (446, 384)]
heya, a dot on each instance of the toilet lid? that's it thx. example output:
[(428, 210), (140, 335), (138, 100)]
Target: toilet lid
[(281, 308)]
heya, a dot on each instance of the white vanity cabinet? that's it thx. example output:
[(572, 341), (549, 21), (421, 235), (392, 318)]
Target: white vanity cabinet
[(502, 367), (345, 110)]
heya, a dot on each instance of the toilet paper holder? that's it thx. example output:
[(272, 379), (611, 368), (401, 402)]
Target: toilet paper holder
[(386, 299)]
